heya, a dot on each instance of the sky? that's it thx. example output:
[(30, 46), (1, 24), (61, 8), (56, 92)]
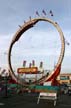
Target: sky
[(40, 43)]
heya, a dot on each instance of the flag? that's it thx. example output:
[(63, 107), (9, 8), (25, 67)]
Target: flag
[(30, 65), (30, 17), (24, 21), (43, 11), (67, 43), (41, 64), (33, 63), (51, 13), (37, 13), (24, 63), (19, 26)]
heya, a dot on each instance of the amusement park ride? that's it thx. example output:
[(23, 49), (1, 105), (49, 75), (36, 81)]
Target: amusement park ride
[(45, 78)]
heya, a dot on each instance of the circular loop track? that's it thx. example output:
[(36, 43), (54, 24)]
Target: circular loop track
[(18, 34)]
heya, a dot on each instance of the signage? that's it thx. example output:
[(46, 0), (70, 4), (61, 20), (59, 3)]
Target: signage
[(28, 70)]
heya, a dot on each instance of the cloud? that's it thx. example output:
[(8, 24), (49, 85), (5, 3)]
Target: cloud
[(36, 42), (13, 13), (42, 39), (5, 42)]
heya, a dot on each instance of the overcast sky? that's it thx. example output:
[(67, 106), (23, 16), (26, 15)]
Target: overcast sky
[(41, 43)]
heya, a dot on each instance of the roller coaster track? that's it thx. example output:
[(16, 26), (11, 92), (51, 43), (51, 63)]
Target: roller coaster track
[(18, 34)]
